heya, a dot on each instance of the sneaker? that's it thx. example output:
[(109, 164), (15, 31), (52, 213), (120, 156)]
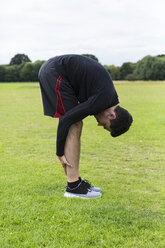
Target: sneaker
[(92, 187), (81, 191)]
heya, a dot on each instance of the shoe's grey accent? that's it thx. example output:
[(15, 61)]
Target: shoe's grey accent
[(92, 187), (88, 195), (95, 189)]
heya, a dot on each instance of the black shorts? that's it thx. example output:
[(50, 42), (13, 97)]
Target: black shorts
[(58, 95)]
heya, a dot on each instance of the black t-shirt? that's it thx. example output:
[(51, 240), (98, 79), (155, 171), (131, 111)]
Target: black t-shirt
[(93, 87)]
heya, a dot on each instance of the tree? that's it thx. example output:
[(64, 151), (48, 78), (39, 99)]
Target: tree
[(161, 56), (12, 73), (125, 69), (91, 56), (26, 72), (158, 70), (36, 68), (19, 59), (131, 76), (114, 71), (2, 73), (145, 68)]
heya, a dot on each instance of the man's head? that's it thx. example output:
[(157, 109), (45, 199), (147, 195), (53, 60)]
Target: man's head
[(115, 119)]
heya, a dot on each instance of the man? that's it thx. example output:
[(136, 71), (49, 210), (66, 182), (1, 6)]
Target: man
[(73, 87)]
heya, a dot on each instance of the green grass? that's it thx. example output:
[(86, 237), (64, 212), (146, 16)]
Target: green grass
[(130, 169)]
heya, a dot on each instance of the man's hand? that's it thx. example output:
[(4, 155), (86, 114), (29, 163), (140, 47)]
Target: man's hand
[(64, 163)]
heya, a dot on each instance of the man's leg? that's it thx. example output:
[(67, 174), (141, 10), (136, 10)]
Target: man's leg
[(76, 186), (72, 151)]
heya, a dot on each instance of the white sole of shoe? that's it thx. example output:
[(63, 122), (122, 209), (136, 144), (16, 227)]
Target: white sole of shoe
[(70, 195)]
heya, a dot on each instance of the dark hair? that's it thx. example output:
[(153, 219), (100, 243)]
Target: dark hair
[(122, 122)]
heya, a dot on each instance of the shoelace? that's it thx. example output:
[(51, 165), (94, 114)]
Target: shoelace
[(84, 186), (88, 183)]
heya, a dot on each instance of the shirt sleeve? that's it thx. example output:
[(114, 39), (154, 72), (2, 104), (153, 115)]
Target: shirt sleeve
[(94, 105)]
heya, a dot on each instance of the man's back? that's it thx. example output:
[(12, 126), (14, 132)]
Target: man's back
[(85, 75)]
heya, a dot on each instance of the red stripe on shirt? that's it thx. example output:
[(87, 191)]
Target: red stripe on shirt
[(60, 110)]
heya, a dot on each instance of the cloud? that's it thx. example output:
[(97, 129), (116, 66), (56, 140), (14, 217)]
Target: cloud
[(114, 30)]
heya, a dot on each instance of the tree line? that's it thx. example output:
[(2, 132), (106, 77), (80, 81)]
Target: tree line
[(148, 68), (21, 69)]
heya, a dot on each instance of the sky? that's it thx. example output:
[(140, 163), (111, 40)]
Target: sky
[(115, 31)]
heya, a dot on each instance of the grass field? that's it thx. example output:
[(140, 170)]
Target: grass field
[(130, 169)]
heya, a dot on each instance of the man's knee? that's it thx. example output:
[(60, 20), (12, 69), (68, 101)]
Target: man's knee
[(78, 125)]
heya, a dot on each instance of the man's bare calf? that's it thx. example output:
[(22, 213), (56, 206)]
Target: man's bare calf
[(72, 151)]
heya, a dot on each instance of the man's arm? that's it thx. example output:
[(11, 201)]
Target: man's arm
[(95, 104)]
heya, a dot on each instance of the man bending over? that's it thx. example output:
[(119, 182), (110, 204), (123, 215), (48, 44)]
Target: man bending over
[(73, 87)]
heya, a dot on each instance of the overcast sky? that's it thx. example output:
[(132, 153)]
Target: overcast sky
[(115, 31)]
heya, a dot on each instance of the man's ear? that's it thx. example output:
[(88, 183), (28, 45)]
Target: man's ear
[(111, 115)]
